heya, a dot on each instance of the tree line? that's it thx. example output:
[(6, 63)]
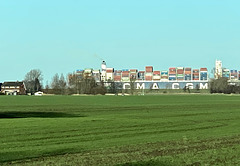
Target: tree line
[(61, 85), (222, 85)]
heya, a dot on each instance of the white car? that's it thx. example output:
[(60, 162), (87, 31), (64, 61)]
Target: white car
[(38, 93)]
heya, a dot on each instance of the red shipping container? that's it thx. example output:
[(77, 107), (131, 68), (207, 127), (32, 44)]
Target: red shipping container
[(134, 70), (172, 70), (180, 79), (195, 70), (156, 73), (149, 69), (148, 78), (188, 72), (203, 69), (125, 75), (180, 71), (117, 78), (164, 77)]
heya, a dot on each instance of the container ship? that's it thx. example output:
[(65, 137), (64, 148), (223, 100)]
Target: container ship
[(173, 78)]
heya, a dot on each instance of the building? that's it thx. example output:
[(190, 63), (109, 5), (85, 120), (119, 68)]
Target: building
[(103, 72), (13, 88), (218, 69)]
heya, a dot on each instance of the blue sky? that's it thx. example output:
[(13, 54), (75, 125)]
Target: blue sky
[(60, 36)]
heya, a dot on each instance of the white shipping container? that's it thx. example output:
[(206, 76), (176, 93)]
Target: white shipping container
[(148, 74), (156, 77), (109, 76), (125, 79)]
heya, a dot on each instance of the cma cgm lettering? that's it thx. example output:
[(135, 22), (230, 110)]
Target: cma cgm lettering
[(166, 85)]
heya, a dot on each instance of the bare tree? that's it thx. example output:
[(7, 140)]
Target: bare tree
[(111, 86), (62, 84), (132, 84), (75, 83), (47, 87), (55, 85), (59, 84), (33, 80), (88, 85), (219, 85)]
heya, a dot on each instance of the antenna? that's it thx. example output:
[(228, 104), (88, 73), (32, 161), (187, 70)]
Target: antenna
[(95, 55)]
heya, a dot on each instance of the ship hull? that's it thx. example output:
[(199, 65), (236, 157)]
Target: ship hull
[(164, 85)]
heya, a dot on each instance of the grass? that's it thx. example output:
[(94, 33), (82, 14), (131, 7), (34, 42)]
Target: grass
[(120, 130)]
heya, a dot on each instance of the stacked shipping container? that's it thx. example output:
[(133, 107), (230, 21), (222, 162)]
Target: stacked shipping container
[(117, 75), (148, 76), (180, 73), (133, 74), (188, 73), (172, 73), (125, 75), (141, 75), (156, 76), (96, 75), (87, 73), (79, 74), (148, 73), (109, 74), (233, 75), (149, 69), (195, 74), (226, 73), (164, 75), (203, 74)]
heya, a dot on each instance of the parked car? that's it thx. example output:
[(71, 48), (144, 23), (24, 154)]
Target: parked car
[(38, 93)]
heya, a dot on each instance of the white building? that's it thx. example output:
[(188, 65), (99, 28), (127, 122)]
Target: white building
[(218, 69), (103, 73)]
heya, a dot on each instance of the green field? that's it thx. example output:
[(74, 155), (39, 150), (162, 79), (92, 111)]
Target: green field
[(113, 130)]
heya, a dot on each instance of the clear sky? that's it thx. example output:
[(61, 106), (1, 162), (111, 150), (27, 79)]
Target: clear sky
[(60, 36)]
